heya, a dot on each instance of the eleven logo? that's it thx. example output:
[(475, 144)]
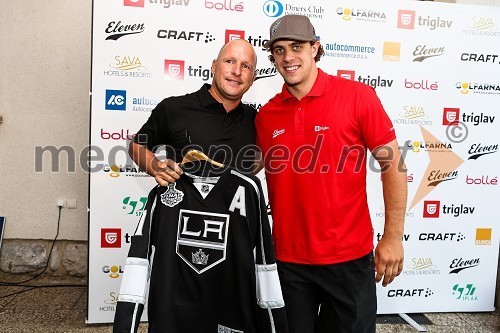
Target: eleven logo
[(133, 3), (111, 238), (431, 209), (483, 236), (451, 116), (116, 100), (406, 19), (234, 34), (174, 70)]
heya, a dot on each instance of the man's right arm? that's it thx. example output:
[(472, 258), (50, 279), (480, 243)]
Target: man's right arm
[(164, 172)]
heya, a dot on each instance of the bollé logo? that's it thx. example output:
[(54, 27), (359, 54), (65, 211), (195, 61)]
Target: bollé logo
[(133, 3), (113, 271), (185, 35), (233, 6), (174, 70), (116, 30), (483, 180), (121, 135), (431, 209), (477, 150), (234, 34), (111, 238), (349, 75), (406, 19), (272, 8), (451, 116), (116, 100), (392, 51), (483, 236), (421, 85)]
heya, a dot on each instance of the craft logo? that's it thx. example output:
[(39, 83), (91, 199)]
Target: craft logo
[(410, 293), (482, 26), (126, 66), (358, 14), (465, 293), (273, 8), (133, 3), (423, 52), (421, 266), (170, 3), (116, 30), (194, 36), (112, 271), (412, 115), (234, 34), (129, 170), (421, 85), (477, 150), (349, 75), (479, 57), (258, 42), (441, 237), (483, 236), (134, 207), (230, 5), (406, 19), (478, 88), (451, 116), (264, 73), (459, 264), (144, 104), (348, 51), (482, 180), (174, 70), (120, 135), (429, 146), (111, 238), (405, 237), (431, 209), (116, 100), (202, 239), (392, 51)]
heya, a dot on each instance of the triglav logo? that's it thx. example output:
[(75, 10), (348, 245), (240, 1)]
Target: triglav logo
[(230, 5), (195, 36), (374, 82), (451, 116), (273, 8), (483, 236), (349, 51), (421, 266), (433, 23), (392, 51), (358, 14), (349, 75), (478, 88), (478, 57), (421, 85), (257, 42), (111, 238), (174, 70), (423, 52), (116, 100), (431, 209), (406, 19), (477, 150), (234, 34), (170, 3), (116, 30), (459, 264), (133, 3), (465, 293)]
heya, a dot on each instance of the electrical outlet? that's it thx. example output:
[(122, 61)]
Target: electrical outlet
[(71, 203), (61, 202)]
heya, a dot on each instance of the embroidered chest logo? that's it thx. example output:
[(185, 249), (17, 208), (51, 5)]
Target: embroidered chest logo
[(202, 239), (321, 128), (171, 196), (278, 132)]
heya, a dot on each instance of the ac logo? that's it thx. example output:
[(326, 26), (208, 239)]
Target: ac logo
[(116, 100), (174, 70)]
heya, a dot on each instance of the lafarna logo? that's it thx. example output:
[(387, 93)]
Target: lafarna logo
[(359, 14), (117, 29), (478, 88)]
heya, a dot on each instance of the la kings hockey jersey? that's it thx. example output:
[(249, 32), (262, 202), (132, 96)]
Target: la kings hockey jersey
[(208, 253)]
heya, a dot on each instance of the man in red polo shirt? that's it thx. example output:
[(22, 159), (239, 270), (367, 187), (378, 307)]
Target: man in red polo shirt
[(314, 137)]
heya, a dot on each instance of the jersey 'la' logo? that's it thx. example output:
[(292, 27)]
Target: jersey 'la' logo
[(171, 196), (202, 239)]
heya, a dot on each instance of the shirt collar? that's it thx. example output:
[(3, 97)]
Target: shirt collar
[(317, 90), (206, 99)]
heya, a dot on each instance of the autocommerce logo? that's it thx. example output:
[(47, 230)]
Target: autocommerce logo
[(116, 100), (478, 88), (358, 14), (349, 51), (273, 8)]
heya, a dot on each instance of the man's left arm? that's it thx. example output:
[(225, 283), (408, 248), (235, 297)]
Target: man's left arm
[(389, 253)]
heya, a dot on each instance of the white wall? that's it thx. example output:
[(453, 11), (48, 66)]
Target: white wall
[(44, 87)]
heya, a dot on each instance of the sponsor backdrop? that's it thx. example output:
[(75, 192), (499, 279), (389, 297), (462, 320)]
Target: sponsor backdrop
[(434, 66)]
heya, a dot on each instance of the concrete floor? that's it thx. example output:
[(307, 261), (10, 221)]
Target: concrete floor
[(63, 309)]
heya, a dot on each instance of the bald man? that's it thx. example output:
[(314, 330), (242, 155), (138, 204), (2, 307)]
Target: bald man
[(212, 119)]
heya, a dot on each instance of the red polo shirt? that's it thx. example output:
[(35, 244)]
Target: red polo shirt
[(315, 156)]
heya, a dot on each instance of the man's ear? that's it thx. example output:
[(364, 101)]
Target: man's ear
[(315, 48), (214, 64)]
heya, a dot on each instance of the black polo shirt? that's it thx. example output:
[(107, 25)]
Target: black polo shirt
[(198, 121)]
